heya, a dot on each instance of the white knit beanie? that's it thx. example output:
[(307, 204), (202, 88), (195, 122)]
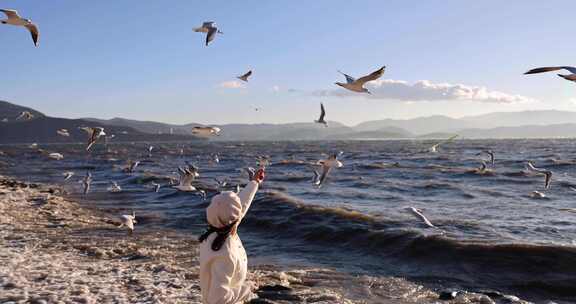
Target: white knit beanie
[(224, 209)]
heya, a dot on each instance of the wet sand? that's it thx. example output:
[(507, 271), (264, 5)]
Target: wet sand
[(53, 250)]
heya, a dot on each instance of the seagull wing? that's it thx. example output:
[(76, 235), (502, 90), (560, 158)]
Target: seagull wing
[(92, 138), (550, 69), (245, 76), (548, 180), (208, 24), (349, 79), (325, 171), (211, 34), (322, 112), (11, 14), (34, 32), (373, 76)]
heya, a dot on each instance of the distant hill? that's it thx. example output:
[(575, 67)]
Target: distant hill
[(42, 129), (526, 124)]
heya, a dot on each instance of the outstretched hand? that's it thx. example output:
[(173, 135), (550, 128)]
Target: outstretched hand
[(259, 176)]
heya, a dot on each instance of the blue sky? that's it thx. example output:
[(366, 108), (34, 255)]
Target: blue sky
[(141, 60)]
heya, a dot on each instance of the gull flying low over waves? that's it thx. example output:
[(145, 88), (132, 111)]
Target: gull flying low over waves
[(187, 176), (206, 131), (128, 221), (156, 187), (25, 115), (15, 19), (68, 175), (210, 29), (63, 132), (56, 156), (569, 77), (434, 148), (491, 154), (245, 76), (322, 115), (327, 166), (93, 134), (86, 182), (537, 194), (420, 215), (547, 173), (131, 166), (357, 85), (114, 188)]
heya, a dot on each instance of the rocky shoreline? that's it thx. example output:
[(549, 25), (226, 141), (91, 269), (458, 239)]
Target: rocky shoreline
[(54, 250)]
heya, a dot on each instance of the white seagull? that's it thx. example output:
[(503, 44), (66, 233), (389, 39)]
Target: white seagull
[(245, 76), (187, 176), (86, 182), (327, 165), (156, 187), (419, 215), (322, 115), (491, 154), (15, 19), (357, 85), (93, 134), (206, 131), (25, 115), (68, 175), (56, 156), (569, 77), (434, 148), (210, 29), (547, 173), (114, 188), (131, 166), (128, 221), (63, 132)]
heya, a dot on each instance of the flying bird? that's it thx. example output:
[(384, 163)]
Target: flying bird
[(357, 85), (322, 115), (131, 166), (206, 131), (15, 19), (187, 176), (327, 165), (491, 154), (547, 173), (434, 148), (156, 187), (114, 188), (86, 182), (569, 77), (68, 175), (56, 156), (420, 215), (245, 76), (210, 29), (63, 132), (25, 115), (94, 133), (128, 221)]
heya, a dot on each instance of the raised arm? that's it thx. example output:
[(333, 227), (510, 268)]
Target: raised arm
[(247, 196)]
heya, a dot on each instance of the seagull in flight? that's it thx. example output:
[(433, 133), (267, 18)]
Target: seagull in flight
[(15, 19), (25, 115), (187, 176), (357, 85), (530, 166), (569, 77), (491, 154), (434, 148), (56, 156), (63, 132), (245, 76), (128, 221), (206, 131), (327, 165), (322, 115), (86, 182), (420, 215), (131, 166), (210, 29), (114, 188), (68, 175), (93, 134)]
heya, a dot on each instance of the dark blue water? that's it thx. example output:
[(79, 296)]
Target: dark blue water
[(491, 232)]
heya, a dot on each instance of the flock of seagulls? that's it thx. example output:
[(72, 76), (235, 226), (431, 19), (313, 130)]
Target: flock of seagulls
[(190, 172)]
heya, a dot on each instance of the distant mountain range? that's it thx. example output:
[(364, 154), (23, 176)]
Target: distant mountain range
[(526, 124)]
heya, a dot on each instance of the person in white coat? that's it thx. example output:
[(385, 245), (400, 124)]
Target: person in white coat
[(223, 262)]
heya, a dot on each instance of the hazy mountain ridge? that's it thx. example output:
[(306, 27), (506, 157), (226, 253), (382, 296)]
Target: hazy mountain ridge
[(526, 124)]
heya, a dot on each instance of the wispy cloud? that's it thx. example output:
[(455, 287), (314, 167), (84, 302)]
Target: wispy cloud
[(233, 84), (425, 90)]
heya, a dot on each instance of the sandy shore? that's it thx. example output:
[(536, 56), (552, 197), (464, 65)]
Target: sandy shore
[(53, 250)]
